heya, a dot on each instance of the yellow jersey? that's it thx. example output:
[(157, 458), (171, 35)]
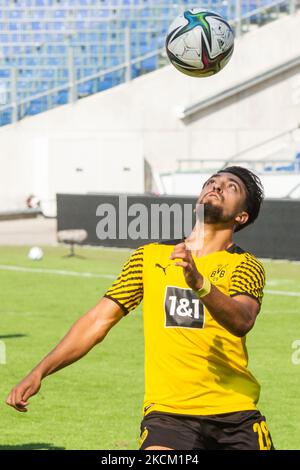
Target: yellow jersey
[(193, 365)]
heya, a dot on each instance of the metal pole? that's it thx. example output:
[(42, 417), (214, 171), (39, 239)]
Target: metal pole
[(127, 55), (292, 7), (238, 16), (14, 96), (72, 75)]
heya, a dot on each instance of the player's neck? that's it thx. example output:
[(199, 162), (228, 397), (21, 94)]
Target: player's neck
[(209, 239)]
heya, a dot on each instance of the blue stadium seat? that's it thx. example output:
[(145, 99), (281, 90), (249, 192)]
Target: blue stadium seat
[(60, 13), (53, 61), (290, 167), (5, 117), (31, 61), (35, 107), (268, 168), (15, 14), (105, 84), (297, 163), (61, 97), (135, 71), (114, 60), (62, 49), (48, 73), (5, 73), (149, 64), (144, 49), (85, 89)]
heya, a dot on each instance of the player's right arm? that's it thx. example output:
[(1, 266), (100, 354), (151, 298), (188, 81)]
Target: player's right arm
[(123, 296), (88, 331)]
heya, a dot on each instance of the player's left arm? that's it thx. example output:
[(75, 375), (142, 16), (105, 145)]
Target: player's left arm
[(237, 313)]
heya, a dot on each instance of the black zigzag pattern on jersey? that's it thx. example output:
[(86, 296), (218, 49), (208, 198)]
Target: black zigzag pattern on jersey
[(127, 290), (255, 263), (240, 277), (248, 278), (244, 275)]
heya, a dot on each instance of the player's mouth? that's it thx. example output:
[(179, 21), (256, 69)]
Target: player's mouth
[(213, 194)]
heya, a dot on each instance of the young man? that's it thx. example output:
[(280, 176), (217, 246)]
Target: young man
[(197, 311)]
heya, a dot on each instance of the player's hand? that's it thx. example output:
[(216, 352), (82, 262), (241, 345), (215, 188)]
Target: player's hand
[(192, 276), (18, 397)]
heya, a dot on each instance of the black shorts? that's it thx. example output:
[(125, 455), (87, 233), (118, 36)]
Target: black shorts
[(242, 430)]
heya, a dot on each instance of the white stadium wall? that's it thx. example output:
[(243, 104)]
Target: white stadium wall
[(99, 143), (190, 184)]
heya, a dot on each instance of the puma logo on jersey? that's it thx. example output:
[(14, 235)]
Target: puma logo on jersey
[(157, 265)]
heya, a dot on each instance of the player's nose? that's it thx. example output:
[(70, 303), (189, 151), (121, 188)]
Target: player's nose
[(217, 187)]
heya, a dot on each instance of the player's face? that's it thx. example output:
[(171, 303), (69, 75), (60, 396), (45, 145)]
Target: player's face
[(224, 196)]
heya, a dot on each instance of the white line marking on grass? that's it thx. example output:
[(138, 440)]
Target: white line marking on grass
[(278, 282), (282, 292), (106, 276), (14, 313), (60, 272), (279, 312)]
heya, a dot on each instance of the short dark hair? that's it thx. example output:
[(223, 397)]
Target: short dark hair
[(254, 192)]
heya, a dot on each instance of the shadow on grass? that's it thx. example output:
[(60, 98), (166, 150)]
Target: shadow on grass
[(17, 335), (32, 446)]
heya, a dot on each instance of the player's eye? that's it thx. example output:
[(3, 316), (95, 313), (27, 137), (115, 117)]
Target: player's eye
[(233, 186), (210, 181)]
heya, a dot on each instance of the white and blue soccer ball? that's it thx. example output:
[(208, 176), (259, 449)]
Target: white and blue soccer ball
[(199, 42), (35, 253)]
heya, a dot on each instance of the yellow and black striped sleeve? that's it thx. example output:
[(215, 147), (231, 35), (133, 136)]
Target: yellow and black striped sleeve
[(127, 290), (248, 278)]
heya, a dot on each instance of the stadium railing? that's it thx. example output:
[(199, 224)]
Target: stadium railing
[(278, 153), (259, 165)]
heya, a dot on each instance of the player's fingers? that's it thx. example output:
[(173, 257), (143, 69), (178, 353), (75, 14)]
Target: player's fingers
[(11, 401), (21, 396), (27, 394), (8, 400), (185, 248), (21, 408), (183, 264), (182, 254), (23, 402), (180, 246), (20, 405), (176, 255), (18, 395), (179, 249), (12, 398)]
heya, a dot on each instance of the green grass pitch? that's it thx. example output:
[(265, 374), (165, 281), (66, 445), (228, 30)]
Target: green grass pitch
[(97, 402)]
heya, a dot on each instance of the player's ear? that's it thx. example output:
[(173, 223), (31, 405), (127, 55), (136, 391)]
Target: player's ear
[(241, 218)]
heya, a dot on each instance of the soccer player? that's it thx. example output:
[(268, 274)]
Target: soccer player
[(198, 307)]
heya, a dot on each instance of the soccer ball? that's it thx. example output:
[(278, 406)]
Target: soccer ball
[(199, 42), (35, 253)]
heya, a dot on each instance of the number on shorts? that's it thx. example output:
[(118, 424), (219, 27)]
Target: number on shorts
[(264, 439)]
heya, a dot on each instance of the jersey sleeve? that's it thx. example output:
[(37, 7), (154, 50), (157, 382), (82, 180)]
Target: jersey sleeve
[(127, 290), (248, 278)]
